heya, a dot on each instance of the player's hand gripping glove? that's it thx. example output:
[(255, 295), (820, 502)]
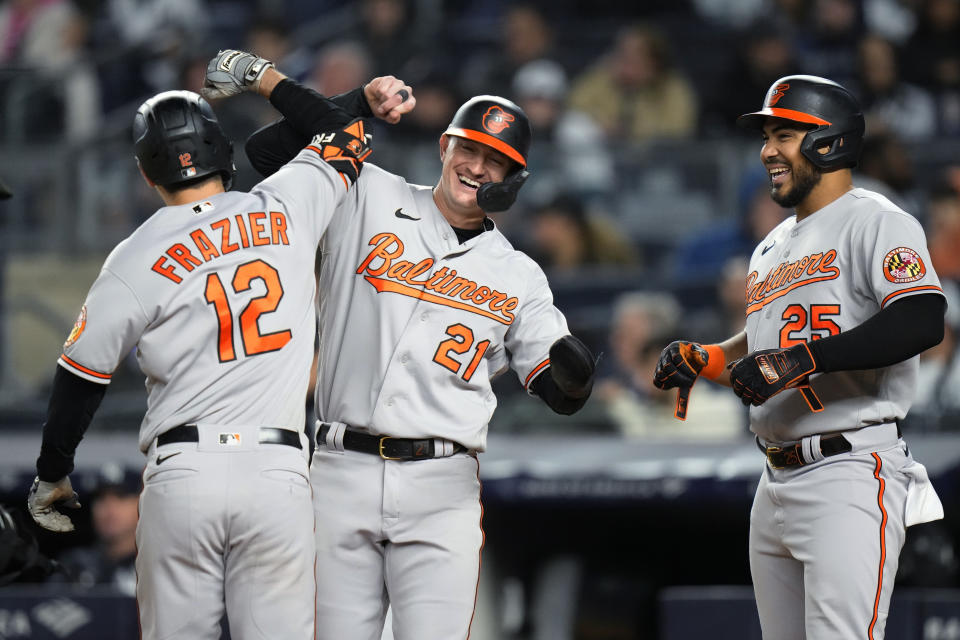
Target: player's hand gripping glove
[(345, 149), (572, 366), (762, 374), (231, 72), (679, 366), (44, 500)]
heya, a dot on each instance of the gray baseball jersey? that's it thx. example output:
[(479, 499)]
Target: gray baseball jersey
[(825, 274), (830, 531), (413, 325), (217, 297)]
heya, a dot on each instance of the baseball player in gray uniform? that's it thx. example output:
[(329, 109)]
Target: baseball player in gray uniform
[(215, 292), (423, 302), (840, 300)]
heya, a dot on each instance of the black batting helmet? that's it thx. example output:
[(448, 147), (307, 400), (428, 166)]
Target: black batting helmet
[(177, 138), (501, 125), (833, 113), (495, 122)]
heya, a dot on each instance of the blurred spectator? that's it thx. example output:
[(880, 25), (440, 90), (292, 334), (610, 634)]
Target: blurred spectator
[(729, 14), (340, 67), (642, 322), (890, 105), (943, 225), (790, 16), (565, 238), (717, 322), (114, 513), (270, 38), (703, 255), (932, 59), (387, 29), (634, 92), (937, 405), (763, 55), (887, 168), (61, 95), (827, 47), (146, 40), (567, 151), (894, 20), (525, 36)]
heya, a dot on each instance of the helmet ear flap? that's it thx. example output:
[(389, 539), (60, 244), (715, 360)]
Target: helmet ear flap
[(494, 197)]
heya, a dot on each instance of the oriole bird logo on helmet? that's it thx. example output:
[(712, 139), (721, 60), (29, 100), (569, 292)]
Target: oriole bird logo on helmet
[(496, 119)]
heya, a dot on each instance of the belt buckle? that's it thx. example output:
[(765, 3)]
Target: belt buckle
[(771, 450), (380, 449)]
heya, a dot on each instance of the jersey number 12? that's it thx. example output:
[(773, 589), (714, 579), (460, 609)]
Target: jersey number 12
[(254, 342)]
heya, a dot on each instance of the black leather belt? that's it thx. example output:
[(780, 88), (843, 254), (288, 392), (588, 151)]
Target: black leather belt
[(268, 435), (387, 447), (792, 456)]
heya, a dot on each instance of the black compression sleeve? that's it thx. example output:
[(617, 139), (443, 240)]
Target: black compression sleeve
[(900, 331), (73, 401), (354, 102), (273, 146), (306, 113), (547, 390), (306, 110)]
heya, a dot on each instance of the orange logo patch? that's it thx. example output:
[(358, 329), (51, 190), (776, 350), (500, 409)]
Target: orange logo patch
[(903, 265), (78, 327), (496, 120), (778, 92)]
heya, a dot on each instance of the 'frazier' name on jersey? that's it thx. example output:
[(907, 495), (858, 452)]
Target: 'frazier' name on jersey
[(254, 229)]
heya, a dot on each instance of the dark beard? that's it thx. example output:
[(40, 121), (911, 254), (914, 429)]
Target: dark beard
[(805, 178)]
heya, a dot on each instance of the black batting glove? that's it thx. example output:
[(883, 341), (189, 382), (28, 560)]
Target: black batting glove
[(762, 374), (679, 365), (572, 366), (345, 149)]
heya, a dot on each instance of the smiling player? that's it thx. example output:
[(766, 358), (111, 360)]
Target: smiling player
[(840, 301), (423, 302)]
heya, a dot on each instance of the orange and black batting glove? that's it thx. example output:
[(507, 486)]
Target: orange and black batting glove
[(345, 149), (680, 364), (762, 374)]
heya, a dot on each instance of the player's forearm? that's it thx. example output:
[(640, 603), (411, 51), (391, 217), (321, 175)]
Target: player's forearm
[(271, 78), (732, 349), (305, 112), (73, 401)]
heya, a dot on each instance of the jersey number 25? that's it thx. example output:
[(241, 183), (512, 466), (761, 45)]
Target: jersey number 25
[(796, 321)]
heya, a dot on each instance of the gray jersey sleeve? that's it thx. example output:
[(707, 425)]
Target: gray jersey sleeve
[(303, 189), (537, 325), (899, 263), (110, 323)]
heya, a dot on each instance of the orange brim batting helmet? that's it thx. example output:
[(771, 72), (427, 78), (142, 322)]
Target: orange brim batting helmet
[(495, 122), (830, 111)]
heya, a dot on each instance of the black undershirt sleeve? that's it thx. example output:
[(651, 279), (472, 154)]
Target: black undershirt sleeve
[(907, 327), (73, 401), (305, 113)]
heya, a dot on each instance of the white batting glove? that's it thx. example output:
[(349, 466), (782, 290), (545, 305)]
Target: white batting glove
[(231, 72), (44, 498)]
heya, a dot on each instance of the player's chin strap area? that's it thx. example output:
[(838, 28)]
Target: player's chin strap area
[(494, 197), (338, 436)]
